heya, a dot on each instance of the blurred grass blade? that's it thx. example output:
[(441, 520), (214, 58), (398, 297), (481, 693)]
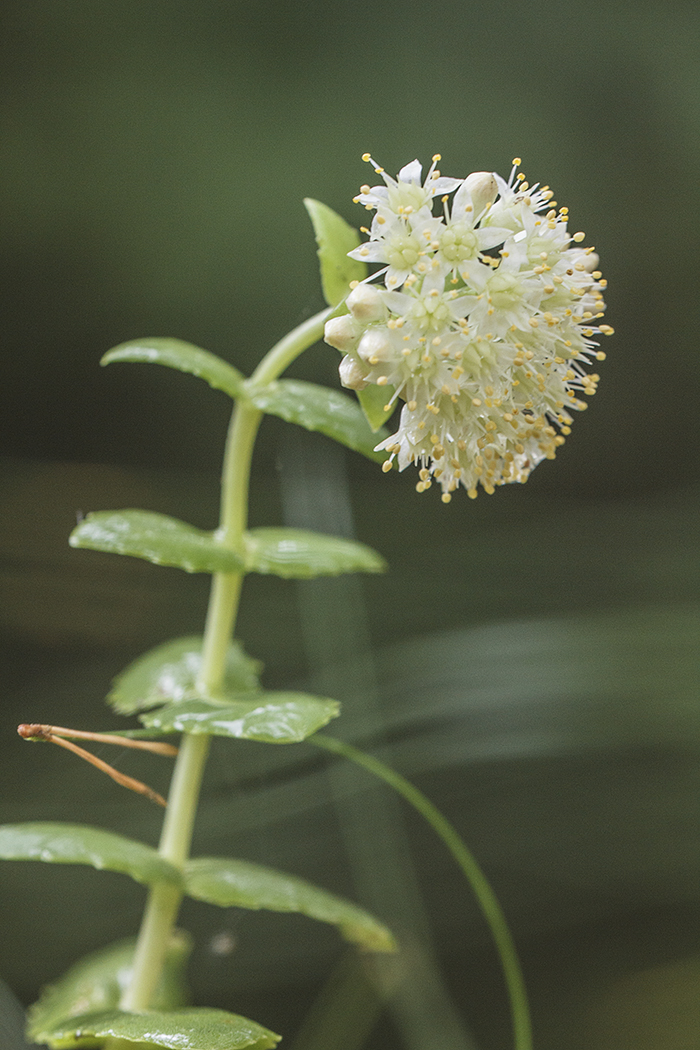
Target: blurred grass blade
[(492, 911)]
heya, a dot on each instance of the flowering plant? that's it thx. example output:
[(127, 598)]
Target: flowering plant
[(489, 355)]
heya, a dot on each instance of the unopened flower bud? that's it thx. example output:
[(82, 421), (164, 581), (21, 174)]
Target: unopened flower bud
[(591, 261), (351, 375), (365, 304), (375, 347), (340, 333), (483, 189)]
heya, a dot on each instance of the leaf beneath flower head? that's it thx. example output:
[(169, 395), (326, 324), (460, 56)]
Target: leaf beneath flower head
[(196, 1028), (185, 357), (269, 717), (169, 672), (375, 405), (335, 238), (322, 409)]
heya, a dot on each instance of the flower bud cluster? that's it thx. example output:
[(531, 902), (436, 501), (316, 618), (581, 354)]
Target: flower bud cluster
[(484, 325)]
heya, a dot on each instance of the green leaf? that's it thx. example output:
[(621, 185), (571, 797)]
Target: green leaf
[(319, 408), (59, 843), (273, 718), (196, 1028), (185, 357), (154, 537), (96, 983), (239, 884), (375, 404), (335, 238), (170, 672), (301, 554)]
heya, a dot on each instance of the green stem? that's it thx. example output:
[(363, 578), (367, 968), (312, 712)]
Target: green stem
[(492, 911), (164, 900)]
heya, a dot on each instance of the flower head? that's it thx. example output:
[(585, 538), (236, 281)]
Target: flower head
[(484, 325)]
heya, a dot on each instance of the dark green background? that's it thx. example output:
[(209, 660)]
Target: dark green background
[(530, 660)]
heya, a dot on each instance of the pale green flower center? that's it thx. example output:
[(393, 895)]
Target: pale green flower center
[(458, 243), (407, 197), (505, 291), (430, 314), (403, 252)]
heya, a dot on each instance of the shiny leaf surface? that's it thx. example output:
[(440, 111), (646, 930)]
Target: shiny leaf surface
[(96, 983), (185, 357), (301, 554), (59, 843), (240, 884), (335, 238), (319, 408), (170, 671), (154, 537), (274, 718), (375, 405), (196, 1028)]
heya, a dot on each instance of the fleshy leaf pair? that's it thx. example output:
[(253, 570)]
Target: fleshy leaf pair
[(221, 881), (166, 678), (290, 553), (96, 983), (314, 407), (82, 1009)]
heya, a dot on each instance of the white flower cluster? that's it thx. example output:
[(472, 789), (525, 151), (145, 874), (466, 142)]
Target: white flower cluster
[(488, 352)]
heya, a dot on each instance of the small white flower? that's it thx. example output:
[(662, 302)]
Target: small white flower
[(485, 326)]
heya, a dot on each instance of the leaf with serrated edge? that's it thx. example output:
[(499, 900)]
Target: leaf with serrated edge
[(237, 883), (154, 537), (97, 982), (59, 843), (301, 554), (170, 672), (375, 405), (185, 357), (335, 238), (196, 1028), (273, 718), (321, 409)]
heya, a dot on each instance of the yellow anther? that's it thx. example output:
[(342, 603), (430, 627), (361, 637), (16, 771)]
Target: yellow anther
[(386, 466), (446, 497), (578, 237)]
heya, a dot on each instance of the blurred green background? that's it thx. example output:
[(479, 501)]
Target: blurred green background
[(530, 660)]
